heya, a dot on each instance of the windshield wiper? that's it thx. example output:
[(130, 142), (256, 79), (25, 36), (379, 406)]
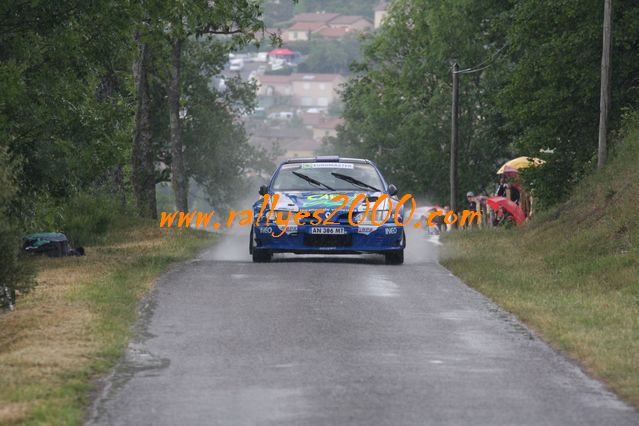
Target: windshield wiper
[(311, 180), (354, 181)]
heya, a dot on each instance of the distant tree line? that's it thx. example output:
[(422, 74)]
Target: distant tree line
[(529, 86), (325, 55)]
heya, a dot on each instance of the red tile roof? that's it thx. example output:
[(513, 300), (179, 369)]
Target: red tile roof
[(306, 26), (274, 79), (315, 17), (347, 19)]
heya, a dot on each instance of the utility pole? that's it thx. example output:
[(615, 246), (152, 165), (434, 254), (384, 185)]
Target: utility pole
[(454, 139), (604, 100)]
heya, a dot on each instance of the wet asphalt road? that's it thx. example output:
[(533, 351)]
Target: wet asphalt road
[(311, 340)]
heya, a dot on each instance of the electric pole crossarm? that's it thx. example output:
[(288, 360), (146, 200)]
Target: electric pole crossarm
[(604, 103)]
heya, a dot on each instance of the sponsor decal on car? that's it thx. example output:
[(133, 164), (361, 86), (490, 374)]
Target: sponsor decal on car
[(328, 166), (324, 200)]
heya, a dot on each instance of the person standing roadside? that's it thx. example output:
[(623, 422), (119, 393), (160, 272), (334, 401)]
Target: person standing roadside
[(472, 203)]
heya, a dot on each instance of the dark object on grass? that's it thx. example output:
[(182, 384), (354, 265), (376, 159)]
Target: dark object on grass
[(7, 298), (51, 244), (78, 251)]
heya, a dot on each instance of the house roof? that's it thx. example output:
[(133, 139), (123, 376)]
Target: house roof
[(333, 32), (306, 26), (348, 19), (284, 79), (274, 79), (281, 51), (314, 77), (315, 17)]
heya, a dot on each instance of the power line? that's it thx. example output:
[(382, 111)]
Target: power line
[(482, 65)]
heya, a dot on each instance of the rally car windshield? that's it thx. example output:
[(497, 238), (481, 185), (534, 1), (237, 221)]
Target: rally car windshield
[(327, 177)]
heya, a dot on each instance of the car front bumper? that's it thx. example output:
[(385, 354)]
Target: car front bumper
[(356, 239)]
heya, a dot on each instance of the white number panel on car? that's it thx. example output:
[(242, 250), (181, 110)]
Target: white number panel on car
[(328, 231)]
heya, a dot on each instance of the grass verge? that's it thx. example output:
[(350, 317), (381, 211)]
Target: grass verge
[(573, 273), (76, 323)]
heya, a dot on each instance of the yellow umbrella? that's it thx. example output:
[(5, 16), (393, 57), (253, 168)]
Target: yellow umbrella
[(520, 163)]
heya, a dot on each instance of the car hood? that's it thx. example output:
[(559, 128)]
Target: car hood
[(309, 201)]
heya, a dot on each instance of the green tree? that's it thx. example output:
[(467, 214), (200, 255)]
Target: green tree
[(331, 56), (551, 95), (64, 79), (216, 149), (397, 108)]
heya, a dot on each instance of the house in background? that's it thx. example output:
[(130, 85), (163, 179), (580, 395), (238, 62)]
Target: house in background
[(321, 125), (315, 90), (299, 148), (304, 90), (327, 25), (334, 33), (321, 17), (351, 23), (301, 31), (381, 10), (274, 85), (286, 142)]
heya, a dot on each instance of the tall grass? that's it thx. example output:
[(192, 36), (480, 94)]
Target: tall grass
[(75, 325), (572, 273)]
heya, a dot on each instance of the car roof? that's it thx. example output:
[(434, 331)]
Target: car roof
[(326, 159)]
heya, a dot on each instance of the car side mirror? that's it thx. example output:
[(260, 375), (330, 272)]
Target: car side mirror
[(263, 190), (392, 190)]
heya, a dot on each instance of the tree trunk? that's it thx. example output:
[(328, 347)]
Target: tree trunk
[(143, 170), (178, 173)]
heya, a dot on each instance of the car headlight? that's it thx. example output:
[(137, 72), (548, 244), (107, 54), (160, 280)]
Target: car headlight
[(379, 216)]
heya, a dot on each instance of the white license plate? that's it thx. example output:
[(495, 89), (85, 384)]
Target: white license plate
[(328, 231)]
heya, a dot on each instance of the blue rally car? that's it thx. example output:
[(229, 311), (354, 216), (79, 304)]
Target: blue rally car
[(318, 186)]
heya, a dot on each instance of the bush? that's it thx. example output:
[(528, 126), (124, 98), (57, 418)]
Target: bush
[(87, 217), (14, 273)]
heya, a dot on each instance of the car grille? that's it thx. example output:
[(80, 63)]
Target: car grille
[(345, 240), (340, 217)]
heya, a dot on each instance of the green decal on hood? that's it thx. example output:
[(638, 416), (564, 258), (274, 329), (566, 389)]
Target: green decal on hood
[(323, 200)]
